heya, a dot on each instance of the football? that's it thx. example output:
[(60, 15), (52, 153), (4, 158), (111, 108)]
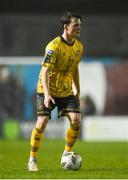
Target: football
[(71, 161)]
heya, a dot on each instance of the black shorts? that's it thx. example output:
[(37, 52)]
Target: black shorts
[(64, 105)]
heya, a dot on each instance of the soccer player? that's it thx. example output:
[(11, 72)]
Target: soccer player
[(58, 75)]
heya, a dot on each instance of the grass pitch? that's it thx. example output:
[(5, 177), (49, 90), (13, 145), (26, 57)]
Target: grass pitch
[(100, 160)]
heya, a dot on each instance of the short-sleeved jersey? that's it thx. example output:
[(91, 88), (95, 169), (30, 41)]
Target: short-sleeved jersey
[(62, 59)]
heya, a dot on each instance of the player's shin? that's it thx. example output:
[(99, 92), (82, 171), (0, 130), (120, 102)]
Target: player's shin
[(71, 136), (36, 139)]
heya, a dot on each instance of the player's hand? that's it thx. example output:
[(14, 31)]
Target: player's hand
[(48, 100)]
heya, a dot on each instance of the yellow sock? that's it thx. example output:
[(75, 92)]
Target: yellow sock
[(36, 139), (71, 137)]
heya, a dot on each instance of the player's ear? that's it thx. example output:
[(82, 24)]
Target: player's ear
[(65, 26)]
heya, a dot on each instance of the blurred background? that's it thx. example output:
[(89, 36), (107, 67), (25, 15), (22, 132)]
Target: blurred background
[(26, 27)]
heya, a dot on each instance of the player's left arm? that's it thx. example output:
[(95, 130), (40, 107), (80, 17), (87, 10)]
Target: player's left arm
[(76, 77), (76, 83)]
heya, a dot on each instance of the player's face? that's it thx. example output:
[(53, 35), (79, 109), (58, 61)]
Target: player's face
[(74, 27)]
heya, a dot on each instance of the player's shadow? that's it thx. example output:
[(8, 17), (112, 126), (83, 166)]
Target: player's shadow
[(49, 170), (105, 169)]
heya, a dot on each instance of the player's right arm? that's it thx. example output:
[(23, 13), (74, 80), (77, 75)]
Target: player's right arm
[(50, 57), (45, 82)]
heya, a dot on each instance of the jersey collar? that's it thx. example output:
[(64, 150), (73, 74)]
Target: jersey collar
[(66, 41)]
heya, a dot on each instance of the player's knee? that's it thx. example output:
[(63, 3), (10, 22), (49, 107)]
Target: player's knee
[(42, 122), (75, 121)]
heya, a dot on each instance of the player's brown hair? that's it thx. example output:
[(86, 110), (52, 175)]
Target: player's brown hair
[(66, 17)]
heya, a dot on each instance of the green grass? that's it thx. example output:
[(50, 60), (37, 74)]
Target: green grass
[(100, 160)]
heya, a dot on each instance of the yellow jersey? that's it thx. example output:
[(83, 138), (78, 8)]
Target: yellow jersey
[(62, 59)]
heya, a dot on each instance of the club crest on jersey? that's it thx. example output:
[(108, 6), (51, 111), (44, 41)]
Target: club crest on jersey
[(77, 53)]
